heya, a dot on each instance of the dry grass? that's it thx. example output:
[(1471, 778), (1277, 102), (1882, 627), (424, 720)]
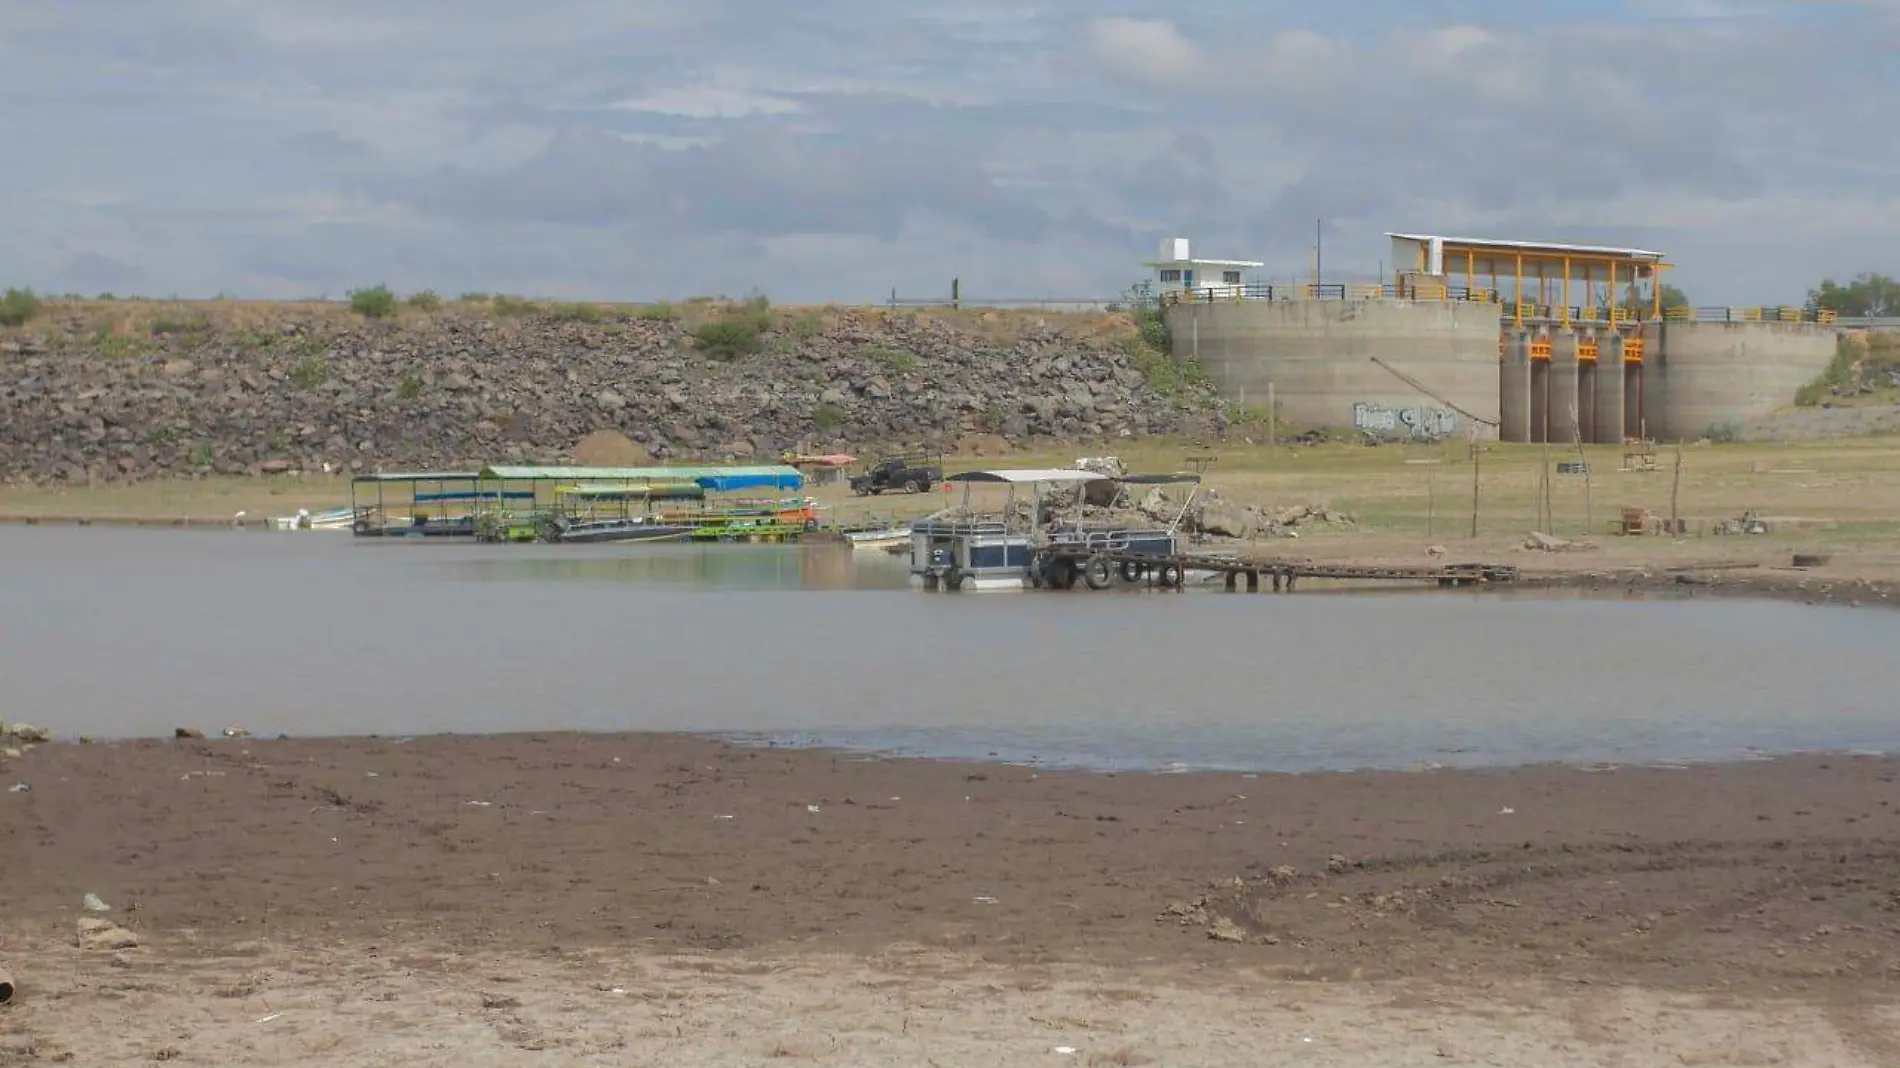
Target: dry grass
[(1837, 493), (135, 320)]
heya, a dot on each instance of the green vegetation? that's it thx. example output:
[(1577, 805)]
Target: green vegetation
[(1858, 366), (577, 313), (473, 298), (201, 455), (376, 302), (428, 300), (1866, 294), (1724, 433), (410, 387), (659, 312), (901, 361), (511, 307), (183, 325), (311, 371), (17, 306), (116, 346), (164, 435), (827, 417), (738, 333), (1151, 348)]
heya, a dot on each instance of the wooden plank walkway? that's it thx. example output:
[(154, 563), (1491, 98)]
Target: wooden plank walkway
[(1094, 568)]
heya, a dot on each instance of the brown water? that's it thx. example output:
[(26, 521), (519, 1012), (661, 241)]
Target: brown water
[(131, 632)]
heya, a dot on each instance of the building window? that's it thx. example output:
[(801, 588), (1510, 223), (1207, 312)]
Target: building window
[(1170, 274), (1230, 278)]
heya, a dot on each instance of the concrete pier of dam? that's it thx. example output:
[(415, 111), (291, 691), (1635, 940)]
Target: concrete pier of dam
[(1439, 368)]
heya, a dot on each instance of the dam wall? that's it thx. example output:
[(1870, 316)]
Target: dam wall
[(1419, 368), (1700, 375)]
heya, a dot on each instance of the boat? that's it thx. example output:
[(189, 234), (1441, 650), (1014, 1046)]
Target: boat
[(629, 528), (871, 540), (1018, 552), (331, 519)]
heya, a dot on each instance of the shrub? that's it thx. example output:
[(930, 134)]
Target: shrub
[(311, 371), (410, 387), (376, 302), (902, 361), (1724, 433), (661, 312), (427, 300), (827, 417), (17, 306), (577, 313), (473, 298), (740, 332), (503, 304)]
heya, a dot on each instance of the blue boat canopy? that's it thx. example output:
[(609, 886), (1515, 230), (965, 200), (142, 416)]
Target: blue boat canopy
[(712, 479)]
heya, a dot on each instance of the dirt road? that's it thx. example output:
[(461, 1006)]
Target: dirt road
[(560, 899)]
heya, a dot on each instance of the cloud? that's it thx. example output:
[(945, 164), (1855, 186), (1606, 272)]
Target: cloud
[(839, 148)]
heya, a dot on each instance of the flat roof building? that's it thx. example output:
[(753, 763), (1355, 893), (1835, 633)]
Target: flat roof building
[(1531, 274), (1177, 270)]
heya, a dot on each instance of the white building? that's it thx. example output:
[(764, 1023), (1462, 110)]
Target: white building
[(1178, 270)]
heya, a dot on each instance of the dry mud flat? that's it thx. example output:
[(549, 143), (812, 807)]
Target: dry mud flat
[(624, 900)]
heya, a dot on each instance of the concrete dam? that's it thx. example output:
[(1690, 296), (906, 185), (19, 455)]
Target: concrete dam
[(1529, 357)]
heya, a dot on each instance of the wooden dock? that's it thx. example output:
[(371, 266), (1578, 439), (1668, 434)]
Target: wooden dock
[(1099, 570)]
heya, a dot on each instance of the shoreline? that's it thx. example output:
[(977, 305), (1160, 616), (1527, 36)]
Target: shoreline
[(473, 891)]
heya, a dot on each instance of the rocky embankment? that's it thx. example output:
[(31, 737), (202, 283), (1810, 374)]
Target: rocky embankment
[(119, 391)]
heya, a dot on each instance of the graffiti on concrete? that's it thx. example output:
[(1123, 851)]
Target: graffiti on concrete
[(1429, 423)]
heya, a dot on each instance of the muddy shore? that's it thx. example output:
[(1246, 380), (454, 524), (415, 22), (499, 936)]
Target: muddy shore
[(239, 864)]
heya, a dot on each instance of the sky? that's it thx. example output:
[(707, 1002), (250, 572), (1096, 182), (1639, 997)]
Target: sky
[(840, 150)]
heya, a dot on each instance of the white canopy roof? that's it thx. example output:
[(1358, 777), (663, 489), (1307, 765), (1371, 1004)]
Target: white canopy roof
[(1028, 474)]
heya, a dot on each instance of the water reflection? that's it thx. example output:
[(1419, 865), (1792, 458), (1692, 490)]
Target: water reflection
[(126, 632)]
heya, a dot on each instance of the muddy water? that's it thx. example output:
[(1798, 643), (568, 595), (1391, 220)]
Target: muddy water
[(128, 632)]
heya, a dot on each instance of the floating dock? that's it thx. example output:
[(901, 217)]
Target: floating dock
[(1099, 570)]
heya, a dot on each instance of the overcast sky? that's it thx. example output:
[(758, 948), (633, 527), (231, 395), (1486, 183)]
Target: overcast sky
[(837, 149)]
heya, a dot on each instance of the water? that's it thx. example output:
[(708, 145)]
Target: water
[(117, 632)]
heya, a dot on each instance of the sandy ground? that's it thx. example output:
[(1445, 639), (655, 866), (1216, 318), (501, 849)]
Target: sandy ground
[(640, 899)]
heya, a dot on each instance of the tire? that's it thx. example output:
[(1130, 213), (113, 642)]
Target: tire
[(1062, 573), (1131, 571), (953, 579), (811, 524), (1169, 575), (910, 485), (1097, 573)]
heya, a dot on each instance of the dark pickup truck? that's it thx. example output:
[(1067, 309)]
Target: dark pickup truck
[(910, 474)]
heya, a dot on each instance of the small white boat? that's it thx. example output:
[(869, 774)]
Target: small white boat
[(869, 540), (305, 519)]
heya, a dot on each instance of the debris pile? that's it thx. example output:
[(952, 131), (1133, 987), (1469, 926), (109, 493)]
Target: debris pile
[(1538, 541)]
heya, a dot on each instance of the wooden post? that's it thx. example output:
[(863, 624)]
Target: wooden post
[(1273, 407), (1675, 491), (1544, 520), (1430, 509), (1584, 459), (1476, 454)]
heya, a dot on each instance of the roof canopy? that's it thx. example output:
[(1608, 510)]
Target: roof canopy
[(1533, 248), (1029, 474), (1152, 480), (419, 476), (711, 478)]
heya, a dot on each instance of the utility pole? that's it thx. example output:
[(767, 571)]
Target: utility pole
[(1319, 246)]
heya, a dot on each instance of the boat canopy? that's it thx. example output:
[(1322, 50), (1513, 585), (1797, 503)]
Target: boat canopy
[(716, 479), (1028, 474), (418, 476), (1160, 480)]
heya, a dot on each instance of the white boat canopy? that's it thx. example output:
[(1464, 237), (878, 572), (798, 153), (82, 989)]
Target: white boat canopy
[(1029, 474)]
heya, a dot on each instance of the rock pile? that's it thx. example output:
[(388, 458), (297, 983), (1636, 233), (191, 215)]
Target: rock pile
[(105, 392)]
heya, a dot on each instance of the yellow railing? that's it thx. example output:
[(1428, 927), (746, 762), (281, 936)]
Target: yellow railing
[(1622, 315)]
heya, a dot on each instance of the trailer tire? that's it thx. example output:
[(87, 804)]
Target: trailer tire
[(1169, 575), (1061, 574), (953, 579), (1131, 571), (1097, 573)]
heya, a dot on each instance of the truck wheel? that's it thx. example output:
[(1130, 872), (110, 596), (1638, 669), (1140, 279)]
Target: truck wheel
[(1097, 573), (910, 485)]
